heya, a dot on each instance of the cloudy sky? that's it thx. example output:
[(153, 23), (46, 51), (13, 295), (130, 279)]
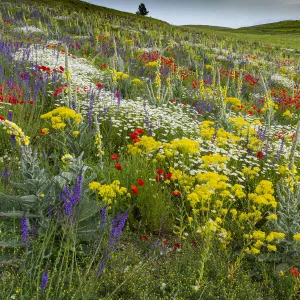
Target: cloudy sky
[(228, 13)]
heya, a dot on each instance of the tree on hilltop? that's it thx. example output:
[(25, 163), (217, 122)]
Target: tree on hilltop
[(142, 10)]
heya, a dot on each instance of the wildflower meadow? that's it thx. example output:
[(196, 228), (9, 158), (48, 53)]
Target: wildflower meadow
[(141, 160)]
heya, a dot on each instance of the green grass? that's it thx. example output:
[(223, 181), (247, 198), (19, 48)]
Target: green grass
[(285, 34), (78, 5)]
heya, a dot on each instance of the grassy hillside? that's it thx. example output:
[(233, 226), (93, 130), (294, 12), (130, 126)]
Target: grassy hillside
[(284, 34), (78, 5)]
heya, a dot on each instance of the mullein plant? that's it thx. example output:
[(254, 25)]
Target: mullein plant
[(287, 222)]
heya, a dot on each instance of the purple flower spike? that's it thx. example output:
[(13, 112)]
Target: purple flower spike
[(44, 281), (25, 231)]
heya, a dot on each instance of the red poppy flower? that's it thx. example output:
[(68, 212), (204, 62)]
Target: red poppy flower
[(194, 244), (134, 189), (141, 182), (160, 171), (43, 131), (143, 238), (168, 175), (114, 156), (99, 85), (133, 135), (136, 140), (31, 102), (259, 155), (139, 131), (61, 68), (172, 100), (176, 193), (294, 272), (166, 241), (2, 118), (176, 245), (158, 178), (118, 167)]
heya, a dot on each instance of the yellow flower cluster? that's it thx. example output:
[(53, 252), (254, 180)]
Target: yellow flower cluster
[(136, 81), (296, 237), (184, 146), (254, 143), (260, 238), (233, 101), (251, 173), (252, 216), (207, 131), (109, 192), (145, 145), (121, 75), (208, 184), (287, 114), (237, 190), (152, 64), (12, 128), (129, 42), (208, 67), (148, 145), (59, 115), (239, 123), (264, 194), (215, 159), (67, 158)]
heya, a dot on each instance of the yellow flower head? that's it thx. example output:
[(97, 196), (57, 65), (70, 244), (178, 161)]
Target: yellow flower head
[(67, 158)]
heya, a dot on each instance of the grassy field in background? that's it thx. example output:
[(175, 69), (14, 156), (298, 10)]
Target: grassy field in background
[(285, 34)]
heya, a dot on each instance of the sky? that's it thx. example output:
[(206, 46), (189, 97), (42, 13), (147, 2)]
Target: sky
[(227, 13)]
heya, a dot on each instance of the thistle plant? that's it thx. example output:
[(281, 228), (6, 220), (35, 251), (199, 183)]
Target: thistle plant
[(288, 223), (294, 146)]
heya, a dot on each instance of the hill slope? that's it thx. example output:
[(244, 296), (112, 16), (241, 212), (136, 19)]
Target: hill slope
[(285, 34)]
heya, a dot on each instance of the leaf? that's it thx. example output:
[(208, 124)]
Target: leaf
[(17, 214), (22, 186), (12, 244), (29, 199), (60, 180), (68, 175), (87, 209)]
